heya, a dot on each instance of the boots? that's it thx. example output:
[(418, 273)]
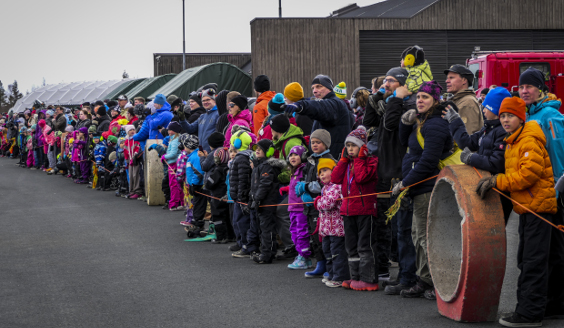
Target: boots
[(319, 270)]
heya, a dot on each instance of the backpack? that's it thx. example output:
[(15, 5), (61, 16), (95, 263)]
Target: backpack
[(452, 159)]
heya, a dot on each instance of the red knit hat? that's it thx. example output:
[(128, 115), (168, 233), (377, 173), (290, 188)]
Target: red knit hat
[(515, 106)]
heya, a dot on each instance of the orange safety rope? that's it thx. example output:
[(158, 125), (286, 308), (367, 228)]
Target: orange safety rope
[(559, 227)]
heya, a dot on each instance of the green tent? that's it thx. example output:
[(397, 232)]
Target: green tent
[(148, 86), (227, 77), (123, 89)]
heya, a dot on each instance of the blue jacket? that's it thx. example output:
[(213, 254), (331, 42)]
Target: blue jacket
[(172, 151), (149, 129), (100, 153), (419, 164), (193, 163), (204, 126), (331, 114), (546, 113), (488, 142)]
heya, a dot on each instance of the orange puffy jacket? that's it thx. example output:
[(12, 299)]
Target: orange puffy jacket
[(260, 111), (528, 172)]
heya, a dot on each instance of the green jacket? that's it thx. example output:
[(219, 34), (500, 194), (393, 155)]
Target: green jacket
[(418, 75), (294, 137)]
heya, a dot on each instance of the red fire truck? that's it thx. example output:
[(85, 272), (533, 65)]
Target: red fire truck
[(503, 68)]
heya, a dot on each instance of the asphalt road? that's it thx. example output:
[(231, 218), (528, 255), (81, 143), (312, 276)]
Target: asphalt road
[(72, 257)]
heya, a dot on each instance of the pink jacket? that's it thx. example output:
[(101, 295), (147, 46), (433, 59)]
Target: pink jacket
[(48, 135), (330, 221), (243, 118)]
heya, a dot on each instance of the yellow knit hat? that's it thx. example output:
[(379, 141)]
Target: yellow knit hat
[(341, 90), (325, 163), (294, 92)]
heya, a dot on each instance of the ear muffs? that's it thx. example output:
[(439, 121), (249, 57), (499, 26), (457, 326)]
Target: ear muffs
[(236, 139), (270, 152), (409, 60)]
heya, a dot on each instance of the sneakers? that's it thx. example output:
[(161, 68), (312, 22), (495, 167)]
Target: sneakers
[(418, 290), (133, 196), (333, 284), (241, 253), (516, 320), (395, 289), (430, 294), (185, 223), (384, 277), (234, 248), (347, 284), (300, 263), (219, 241), (255, 255), (287, 253), (362, 285), (263, 259), (325, 277), (319, 270), (178, 208), (165, 206), (33, 168), (390, 283)]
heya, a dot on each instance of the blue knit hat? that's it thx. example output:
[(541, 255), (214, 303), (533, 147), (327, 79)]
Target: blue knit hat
[(275, 105), (160, 99), (494, 98)]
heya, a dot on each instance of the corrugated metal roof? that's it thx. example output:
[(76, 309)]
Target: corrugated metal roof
[(148, 86), (390, 9), (123, 89)]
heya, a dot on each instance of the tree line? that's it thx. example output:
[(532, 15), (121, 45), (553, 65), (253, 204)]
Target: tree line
[(9, 97)]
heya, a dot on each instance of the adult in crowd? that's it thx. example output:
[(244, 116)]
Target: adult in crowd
[(138, 101), (177, 108), (205, 124), (327, 112), (102, 120), (459, 81), (60, 121), (264, 94), (123, 104), (195, 108), (160, 116), (84, 119), (294, 93), (223, 121), (238, 115)]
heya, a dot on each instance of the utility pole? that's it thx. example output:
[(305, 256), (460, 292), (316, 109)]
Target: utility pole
[(184, 37), (279, 8)]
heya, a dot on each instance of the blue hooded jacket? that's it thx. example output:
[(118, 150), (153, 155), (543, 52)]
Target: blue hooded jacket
[(204, 126), (149, 129), (545, 113), (193, 165)]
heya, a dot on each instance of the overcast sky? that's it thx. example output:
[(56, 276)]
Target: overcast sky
[(70, 40)]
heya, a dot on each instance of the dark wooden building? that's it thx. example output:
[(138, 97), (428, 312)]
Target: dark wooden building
[(356, 44), (166, 63)]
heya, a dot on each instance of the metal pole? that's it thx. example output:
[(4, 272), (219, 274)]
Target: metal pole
[(183, 38), (279, 8)]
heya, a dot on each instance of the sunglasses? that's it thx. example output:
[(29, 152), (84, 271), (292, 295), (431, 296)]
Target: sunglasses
[(231, 105)]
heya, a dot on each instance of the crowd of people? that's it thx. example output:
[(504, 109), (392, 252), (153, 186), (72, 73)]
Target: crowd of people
[(344, 182)]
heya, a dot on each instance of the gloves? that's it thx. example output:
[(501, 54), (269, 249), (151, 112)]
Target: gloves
[(295, 107), (163, 159), (306, 198), (450, 114), (344, 155), (397, 188), (363, 153), (300, 188), (485, 184), (409, 117), (284, 190), (315, 201), (245, 209), (465, 156), (152, 147), (181, 115)]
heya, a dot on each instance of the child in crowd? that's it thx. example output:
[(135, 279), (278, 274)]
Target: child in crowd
[(188, 165), (29, 148), (264, 191), (133, 156), (99, 158), (227, 197), (80, 155), (356, 172), (240, 188), (105, 171), (121, 171), (528, 177), (331, 227), (298, 220), (309, 188), (176, 202)]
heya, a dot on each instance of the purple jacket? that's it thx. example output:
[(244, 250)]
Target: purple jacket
[(292, 198)]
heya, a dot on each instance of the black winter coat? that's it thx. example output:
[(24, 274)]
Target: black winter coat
[(60, 123), (419, 164), (207, 163), (331, 114), (313, 186), (103, 124), (488, 142), (85, 123), (193, 115), (264, 181), (222, 123), (390, 150), (109, 165), (240, 177)]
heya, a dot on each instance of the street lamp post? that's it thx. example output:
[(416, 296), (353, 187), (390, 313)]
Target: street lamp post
[(279, 8), (183, 37)]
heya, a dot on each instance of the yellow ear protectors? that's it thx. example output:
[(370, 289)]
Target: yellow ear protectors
[(409, 60)]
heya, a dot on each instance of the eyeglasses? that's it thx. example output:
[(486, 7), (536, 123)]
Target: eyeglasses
[(231, 105), (389, 81), (206, 101)]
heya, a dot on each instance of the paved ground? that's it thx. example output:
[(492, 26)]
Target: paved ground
[(72, 257)]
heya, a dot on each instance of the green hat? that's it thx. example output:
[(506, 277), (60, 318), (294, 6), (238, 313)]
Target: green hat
[(112, 139), (92, 129)]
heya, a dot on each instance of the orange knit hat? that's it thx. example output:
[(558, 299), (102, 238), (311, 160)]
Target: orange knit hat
[(515, 106), (294, 92), (325, 163)]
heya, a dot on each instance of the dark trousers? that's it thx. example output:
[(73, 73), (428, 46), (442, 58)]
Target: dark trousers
[(262, 233), (406, 250), (241, 224), (383, 236), (316, 247), (555, 296), (253, 233), (39, 157), (283, 224), (200, 203), (507, 207), (360, 241), (532, 260), (230, 229), (337, 260), (220, 218)]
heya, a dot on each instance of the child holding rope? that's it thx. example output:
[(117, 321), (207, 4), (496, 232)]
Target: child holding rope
[(172, 152)]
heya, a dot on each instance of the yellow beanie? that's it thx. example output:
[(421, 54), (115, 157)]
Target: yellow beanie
[(294, 92), (340, 90), (325, 163)]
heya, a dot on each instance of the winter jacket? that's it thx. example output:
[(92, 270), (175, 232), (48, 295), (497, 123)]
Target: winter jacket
[(419, 164), (292, 197), (48, 133), (207, 163), (100, 153), (109, 165), (194, 114), (85, 123), (488, 142), (546, 114), (240, 177), (469, 110), (313, 186), (390, 150), (204, 127), (357, 176), (60, 123), (243, 118), (305, 123), (172, 151), (528, 172), (264, 180), (330, 114), (223, 124), (266, 131), (328, 204), (418, 75), (151, 124), (103, 124), (292, 137), (260, 111), (189, 165), (131, 148)]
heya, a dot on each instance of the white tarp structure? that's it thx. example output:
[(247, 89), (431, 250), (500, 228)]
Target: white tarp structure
[(68, 94)]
